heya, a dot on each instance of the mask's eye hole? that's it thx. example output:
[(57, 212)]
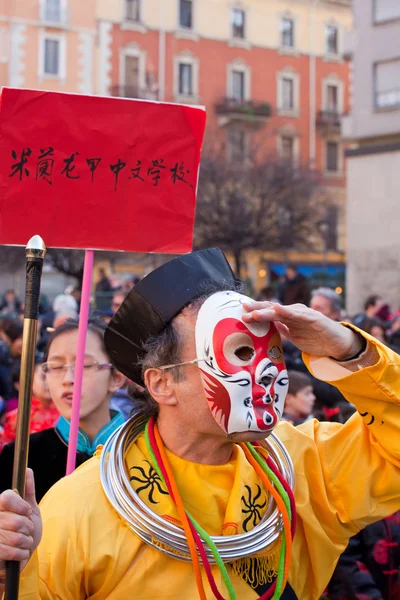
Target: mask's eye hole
[(239, 349), (244, 353), (267, 380)]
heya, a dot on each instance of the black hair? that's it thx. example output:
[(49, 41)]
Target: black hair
[(298, 381), (368, 323), (371, 301), (13, 329), (95, 325)]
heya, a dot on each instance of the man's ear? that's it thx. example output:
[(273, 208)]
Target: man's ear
[(160, 385), (117, 381)]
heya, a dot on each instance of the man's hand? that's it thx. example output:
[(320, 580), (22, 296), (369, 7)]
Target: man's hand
[(307, 329), (20, 524)]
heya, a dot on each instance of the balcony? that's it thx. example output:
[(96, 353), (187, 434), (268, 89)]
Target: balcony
[(57, 17), (328, 122), (251, 111), (130, 91)]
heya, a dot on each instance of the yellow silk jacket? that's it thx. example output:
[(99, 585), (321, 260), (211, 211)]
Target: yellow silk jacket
[(347, 476)]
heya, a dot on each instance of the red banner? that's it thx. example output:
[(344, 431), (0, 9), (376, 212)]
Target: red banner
[(98, 173)]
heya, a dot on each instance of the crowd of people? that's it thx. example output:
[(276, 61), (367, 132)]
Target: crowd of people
[(369, 568)]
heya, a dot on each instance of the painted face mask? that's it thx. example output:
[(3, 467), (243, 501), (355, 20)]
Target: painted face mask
[(244, 374)]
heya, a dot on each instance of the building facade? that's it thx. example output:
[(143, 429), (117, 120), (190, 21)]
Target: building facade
[(270, 71), (48, 44), (373, 157)]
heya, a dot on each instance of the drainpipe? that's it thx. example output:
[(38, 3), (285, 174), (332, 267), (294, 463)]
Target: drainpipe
[(313, 82), (161, 54)]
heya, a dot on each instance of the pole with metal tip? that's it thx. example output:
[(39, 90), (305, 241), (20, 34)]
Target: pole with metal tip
[(35, 253)]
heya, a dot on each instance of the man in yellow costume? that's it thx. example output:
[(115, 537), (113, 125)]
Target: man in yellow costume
[(192, 498)]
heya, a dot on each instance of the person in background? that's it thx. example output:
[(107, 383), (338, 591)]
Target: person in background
[(371, 307), (375, 328), (44, 414), (117, 300), (268, 293), (2, 417), (394, 333), (128, 284), (300, 398), (48, 449), (64, 306), (294, 288), (384, 313), (104, 315), (327, 301), (369, 567), (336, 414), (103, 291), (11, 333), (10, 304), (6, 387), (123, 400), (76, 292)]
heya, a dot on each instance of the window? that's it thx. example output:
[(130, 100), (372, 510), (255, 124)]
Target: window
[(132, 10), (287, 33), (331, 232), (238, 21), (238, 85), (387, 84), (332, 157), (132, 76), (286, 230), (186, 14), (237, 145), (52, 57), (53, 11), (287, 100), (331, 39), (386, 10), (287, 148), (332, 98), (185, 79)]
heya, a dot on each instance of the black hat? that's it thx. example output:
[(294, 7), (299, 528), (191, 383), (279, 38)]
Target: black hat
[(157, 299)]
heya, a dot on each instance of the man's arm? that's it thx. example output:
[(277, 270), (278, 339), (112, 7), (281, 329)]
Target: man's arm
[(372, 383), (358, 473)]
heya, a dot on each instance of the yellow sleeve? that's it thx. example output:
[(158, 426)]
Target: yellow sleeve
[(80, 551), (362, 457), (55, 570)]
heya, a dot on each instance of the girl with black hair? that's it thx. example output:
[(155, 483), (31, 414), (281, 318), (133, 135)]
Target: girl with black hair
[(48, 449)]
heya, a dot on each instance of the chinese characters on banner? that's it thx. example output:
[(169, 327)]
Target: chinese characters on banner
[(101, 173), (45, 163)]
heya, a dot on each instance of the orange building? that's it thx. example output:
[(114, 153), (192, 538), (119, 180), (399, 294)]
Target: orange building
[(263, 68), (48, 44)]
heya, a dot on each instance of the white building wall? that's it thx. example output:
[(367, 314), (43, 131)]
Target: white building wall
[(373, 243)]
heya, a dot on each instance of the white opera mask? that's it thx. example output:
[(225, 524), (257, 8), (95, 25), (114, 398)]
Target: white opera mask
[(242, 366)]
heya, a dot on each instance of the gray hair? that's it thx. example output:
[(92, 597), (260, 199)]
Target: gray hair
[(165, 347), (331, 295)]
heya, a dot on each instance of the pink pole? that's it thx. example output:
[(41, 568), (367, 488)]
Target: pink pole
[(79, 361)]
